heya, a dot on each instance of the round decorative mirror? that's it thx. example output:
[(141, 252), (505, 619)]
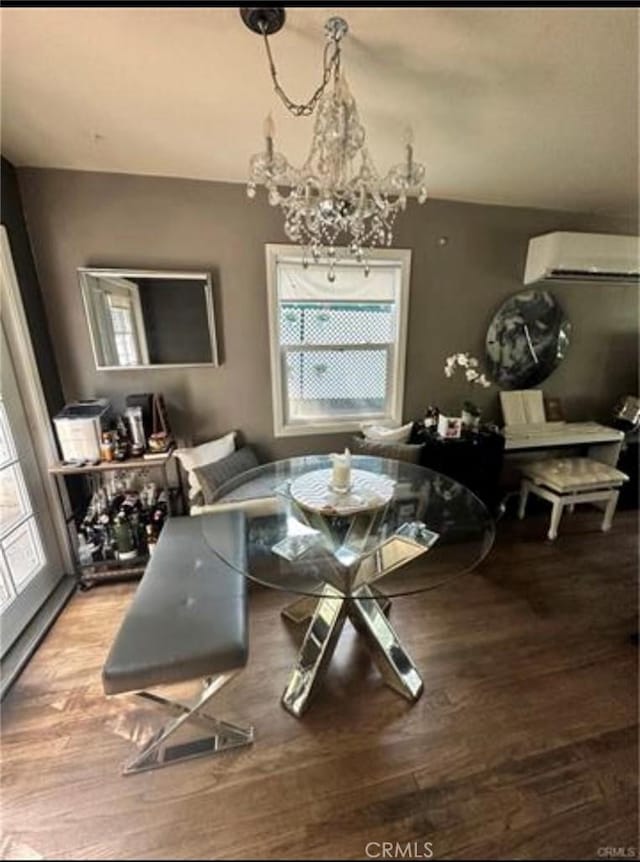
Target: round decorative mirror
[(526, 340)]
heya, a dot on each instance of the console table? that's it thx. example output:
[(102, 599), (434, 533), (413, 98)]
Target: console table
[(603, 443)]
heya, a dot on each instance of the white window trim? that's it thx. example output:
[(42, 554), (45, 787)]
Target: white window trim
[(19, 337), (281, 426)]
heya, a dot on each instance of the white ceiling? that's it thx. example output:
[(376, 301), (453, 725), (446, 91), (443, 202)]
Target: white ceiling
[(524, 106)]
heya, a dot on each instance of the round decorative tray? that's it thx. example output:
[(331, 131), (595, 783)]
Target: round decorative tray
[(368, 491)]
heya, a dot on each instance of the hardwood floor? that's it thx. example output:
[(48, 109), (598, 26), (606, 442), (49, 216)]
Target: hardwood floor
[(524, 745)]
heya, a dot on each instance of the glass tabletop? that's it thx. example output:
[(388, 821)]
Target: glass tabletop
[(400, 529)]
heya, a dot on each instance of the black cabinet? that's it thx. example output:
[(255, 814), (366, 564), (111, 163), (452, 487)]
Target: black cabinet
[(474, 460), (629, 463)]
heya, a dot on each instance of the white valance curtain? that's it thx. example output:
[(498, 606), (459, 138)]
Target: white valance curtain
[(295, 283)]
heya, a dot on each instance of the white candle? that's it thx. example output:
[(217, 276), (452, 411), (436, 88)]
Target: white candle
[(341, 473)]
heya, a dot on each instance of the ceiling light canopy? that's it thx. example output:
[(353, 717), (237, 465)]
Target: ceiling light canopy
[(336, 198)]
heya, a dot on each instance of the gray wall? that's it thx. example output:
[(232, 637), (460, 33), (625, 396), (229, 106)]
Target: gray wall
[(93, 219), (13, 220)]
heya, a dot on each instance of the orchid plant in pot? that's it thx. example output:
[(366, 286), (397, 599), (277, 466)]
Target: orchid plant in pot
[(473, 377)]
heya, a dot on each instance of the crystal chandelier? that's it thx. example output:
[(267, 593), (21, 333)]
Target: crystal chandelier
[(337, 198)]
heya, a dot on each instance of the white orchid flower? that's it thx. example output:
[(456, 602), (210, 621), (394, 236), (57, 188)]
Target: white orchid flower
[(471, 368)]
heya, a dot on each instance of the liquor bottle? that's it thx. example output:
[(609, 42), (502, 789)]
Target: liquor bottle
[(102, 503), (106, 446), (152, 539), (84, 551), (431, 419), (136, 430), (148, 496), (108, 548), (160, 511), (122, 444), (124, 538), (94, 544), (138, 530)]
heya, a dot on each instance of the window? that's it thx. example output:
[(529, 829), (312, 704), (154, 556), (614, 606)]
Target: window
[(117, 326), (337, 349), (124, 330), (21, 555)]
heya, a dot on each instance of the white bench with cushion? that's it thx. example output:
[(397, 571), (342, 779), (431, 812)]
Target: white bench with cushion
[(567, 481), (187, 621)]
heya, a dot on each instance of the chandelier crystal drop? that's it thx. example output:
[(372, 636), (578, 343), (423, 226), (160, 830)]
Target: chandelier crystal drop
[(336, 198)]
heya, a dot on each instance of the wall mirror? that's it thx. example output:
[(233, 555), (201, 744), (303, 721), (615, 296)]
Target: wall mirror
[(147, 319), (526, 340)]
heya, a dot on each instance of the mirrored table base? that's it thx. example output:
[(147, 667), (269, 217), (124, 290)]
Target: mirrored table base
[(366, 610), (362, 555), (303, 609)]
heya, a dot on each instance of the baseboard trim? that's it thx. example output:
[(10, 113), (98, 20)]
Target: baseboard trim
[(18, 656)]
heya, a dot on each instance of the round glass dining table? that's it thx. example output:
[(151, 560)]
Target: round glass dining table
[(399, 529)]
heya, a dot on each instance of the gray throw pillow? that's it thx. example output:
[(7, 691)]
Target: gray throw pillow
[(396, 451), (213, 476)]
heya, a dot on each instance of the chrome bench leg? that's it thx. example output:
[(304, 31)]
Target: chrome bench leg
[(222, 734)]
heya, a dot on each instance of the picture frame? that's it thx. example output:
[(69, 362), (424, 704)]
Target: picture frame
[(449, 427)]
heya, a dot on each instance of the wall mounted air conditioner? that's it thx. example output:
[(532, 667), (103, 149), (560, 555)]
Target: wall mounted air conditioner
[(563, 256)]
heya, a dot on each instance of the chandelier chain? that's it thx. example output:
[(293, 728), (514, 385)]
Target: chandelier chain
[(330, 64)]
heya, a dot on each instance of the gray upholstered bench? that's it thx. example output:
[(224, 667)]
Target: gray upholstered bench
[(187, 621)]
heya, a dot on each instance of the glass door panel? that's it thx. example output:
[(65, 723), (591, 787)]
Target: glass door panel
[(30, 562)]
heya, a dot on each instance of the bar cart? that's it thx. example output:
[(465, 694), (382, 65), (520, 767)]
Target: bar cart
[(114, 570)]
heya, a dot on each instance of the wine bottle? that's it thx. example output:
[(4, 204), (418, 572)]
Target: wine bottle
[(124, 538)]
